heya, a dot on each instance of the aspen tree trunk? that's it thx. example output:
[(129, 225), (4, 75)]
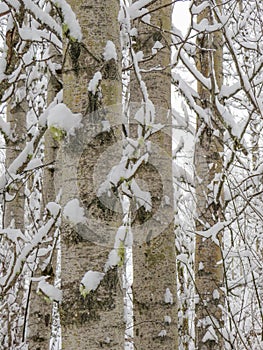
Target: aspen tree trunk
[(13, 215), (14, 212), (40, 309), (17, 109), (155, 318), (208, 168), (14, 209), (93, 320)]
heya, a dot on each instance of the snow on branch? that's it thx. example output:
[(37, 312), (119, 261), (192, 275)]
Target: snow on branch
[(50, 291), (214, 231), (18, 260), (71, 23)]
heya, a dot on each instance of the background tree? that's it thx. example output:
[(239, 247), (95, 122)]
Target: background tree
[(237, 103), (40, 318), (154, 269), (22, 87), (208, 161), (14, 200)]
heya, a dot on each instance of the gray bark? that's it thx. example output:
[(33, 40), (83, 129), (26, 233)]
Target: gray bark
[(208, 167), (40, 309), (154, 258), (14, 201), (95, 320)]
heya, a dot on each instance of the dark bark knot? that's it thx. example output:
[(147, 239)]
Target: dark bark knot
[(110, 70), (74, 53)]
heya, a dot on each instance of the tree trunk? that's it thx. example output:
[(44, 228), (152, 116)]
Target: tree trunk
[(14, 201), (154, 278), (14, 215), (90, 319), (208, 163), (40, 309)]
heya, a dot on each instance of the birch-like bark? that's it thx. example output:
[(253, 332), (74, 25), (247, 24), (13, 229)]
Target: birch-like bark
[(155, 317), (40, 309), (93, 320), (208, 161), (14, 200), (14, 217)]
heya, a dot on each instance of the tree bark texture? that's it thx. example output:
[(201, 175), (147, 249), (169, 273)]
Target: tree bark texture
[(208, 161), (40, 309), (95, 320), (14, 200), (154, 256)]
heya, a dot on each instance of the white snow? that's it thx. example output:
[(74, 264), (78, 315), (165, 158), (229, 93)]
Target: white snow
[(44, 17), (14, 3), (3, 7), (91, 280), (53, 208), (33, 164), (163, 333), (197, 9), (143, 198), (44, 116), (200, 266), (183, 258), (94, 82), (147, 18), (21, 160), (133, 32), (61, 117), (167, 319), (204, 26), (3, 64), (120, 236), (210, 335), (70, 19), (50, 291), (166, 201), (110, 51), (168, 296), (114, 257), (15, 266), (105, 125), (139, 56), (33, 34), (116, 173), (181, 174), (13, 234), (74, 212), (213, 231), (216, 294), (157, 46), (136, 9), (5, 127)]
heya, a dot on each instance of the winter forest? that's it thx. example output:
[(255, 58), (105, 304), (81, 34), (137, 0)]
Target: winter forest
[(131, 174)]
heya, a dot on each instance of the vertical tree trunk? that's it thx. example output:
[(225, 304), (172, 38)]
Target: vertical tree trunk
[(93, 319), (40, 309), (17, 108), (14, 213), (208, 169), (154, 278), (14, 209)]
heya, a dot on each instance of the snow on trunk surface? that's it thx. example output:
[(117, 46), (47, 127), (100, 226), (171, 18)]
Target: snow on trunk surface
[(74, 212), (110, 51), (61, 117), (50, 291), (91, 280)]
